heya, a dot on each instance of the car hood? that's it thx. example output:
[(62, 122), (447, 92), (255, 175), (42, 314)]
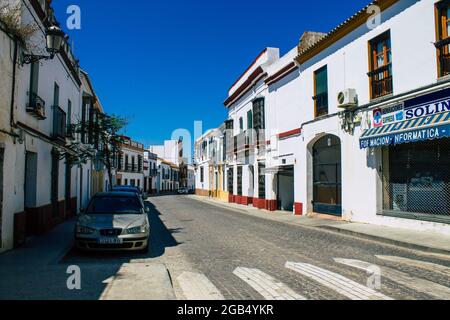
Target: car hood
[(105, 221)]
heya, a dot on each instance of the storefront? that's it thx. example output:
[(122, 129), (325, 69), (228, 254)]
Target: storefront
[(413, 138)]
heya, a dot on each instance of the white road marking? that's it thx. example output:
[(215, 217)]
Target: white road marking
[(418, 264), (197, 286), (404, 279), (267, 286), (336, 282)]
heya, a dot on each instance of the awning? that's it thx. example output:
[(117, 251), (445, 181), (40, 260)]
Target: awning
[(419, 129)]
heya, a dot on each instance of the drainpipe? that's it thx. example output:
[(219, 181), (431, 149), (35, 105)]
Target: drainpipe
[(13, 90)]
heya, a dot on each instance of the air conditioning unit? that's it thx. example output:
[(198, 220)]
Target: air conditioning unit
[(347, 99)]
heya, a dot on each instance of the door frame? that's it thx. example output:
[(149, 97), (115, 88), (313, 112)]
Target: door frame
[(324, 208)]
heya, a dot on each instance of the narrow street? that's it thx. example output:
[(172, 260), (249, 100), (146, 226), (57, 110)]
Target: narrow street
[(218, 253)]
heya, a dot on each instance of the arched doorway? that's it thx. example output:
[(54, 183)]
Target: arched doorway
[(327, 186)]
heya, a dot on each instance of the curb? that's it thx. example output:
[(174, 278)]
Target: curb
[(140, 280), (399, 243)]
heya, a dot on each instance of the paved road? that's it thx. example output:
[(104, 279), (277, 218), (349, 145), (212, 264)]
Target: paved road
[(244, 257), (214, 252)]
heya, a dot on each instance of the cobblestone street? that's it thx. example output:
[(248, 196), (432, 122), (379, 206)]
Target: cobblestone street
[(218, 253)]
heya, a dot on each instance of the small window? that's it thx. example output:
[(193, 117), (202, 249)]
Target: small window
[(380, 72), (69, 112), (202, 177), (241, 123), (258, 115), (321, 91), (249, 120)]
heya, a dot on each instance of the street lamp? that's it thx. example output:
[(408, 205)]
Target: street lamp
[(54, 39)]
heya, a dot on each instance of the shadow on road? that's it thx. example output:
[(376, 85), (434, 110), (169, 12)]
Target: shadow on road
[(160, 238), (97, 267)]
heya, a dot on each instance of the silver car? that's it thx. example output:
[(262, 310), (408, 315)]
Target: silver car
[(114, 221)]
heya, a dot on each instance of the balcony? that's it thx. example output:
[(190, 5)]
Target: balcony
[(133, 144), (36, 107), (381, 81), (444, 62), (444, 56), (131, 168), (59, 124), (71, 132)]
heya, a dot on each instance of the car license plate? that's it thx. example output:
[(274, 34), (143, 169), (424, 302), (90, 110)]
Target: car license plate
[(110, 241)]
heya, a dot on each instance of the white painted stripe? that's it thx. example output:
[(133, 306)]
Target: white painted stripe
[(267, 286), (197, 286), (404, 279), (336, 282), (418, 264)]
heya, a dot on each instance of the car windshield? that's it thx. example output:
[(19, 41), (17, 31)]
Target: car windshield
[(126, 189), (115, 205)]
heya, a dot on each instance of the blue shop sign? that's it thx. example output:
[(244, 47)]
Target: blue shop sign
[(407, 136), (422, 118)]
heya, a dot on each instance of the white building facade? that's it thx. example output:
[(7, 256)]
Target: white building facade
[(130, 171), (171, 151), (356, 121), (40, 103), (150, 172)]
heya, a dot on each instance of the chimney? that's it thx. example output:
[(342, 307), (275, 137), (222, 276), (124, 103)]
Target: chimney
[(308, 39)]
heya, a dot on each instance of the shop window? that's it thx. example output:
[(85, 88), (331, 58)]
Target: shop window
[(416, 180), (321, 92), (443, 37), (380, 72)]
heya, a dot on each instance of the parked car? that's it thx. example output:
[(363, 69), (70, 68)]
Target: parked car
[(183, 191), (113, 221), (129, 189)]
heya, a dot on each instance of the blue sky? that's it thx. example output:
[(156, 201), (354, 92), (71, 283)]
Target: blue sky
[(166, 64)]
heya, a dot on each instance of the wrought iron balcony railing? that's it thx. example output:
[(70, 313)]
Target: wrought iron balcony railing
[(36, 106), (381, 81)]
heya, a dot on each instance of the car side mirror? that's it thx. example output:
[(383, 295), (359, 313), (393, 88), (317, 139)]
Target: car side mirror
[(147, 210)]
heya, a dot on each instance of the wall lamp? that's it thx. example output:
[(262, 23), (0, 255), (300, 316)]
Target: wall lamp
[(54, 39)]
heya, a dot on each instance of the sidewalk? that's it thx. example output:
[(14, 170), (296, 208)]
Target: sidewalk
[(418, 240), (39, 271)]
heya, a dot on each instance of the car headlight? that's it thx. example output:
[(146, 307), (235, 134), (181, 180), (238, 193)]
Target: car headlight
[(85, 230), (136, 230)]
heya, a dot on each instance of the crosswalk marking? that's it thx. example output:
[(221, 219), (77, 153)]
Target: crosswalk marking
[(336, 282), (268, 287), (418, 284), (197, 286), (418, 264)]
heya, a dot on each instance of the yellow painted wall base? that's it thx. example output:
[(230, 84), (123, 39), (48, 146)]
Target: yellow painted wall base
[(223, 195)]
